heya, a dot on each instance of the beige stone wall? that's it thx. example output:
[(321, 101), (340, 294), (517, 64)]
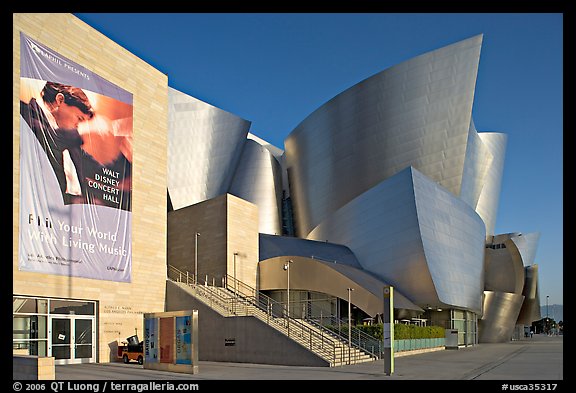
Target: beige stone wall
[(121, 305), (242, 227), (209, 219), (227, 224)]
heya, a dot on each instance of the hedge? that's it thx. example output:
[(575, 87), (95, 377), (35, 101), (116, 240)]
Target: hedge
[(403, 331)]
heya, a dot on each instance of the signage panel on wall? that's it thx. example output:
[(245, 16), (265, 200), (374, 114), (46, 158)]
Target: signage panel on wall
[(184, 339), (75, 169), (151, 340), (174, 334)]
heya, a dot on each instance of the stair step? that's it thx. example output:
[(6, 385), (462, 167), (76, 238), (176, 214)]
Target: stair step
[(325, 344)]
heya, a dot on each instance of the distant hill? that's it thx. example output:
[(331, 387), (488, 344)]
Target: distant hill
[(555, 311)]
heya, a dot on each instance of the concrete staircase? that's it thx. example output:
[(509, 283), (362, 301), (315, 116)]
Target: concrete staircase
[(230, 302)]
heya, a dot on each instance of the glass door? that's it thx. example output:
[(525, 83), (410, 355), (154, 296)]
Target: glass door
[(72, 339), (83, 339), (61, 339)]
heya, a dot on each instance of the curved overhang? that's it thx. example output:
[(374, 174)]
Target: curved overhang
[(276, 246), (500, 312), (308, 274)]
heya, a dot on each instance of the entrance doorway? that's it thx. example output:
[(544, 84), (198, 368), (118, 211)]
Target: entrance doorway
[(62, 328), (72, 339)]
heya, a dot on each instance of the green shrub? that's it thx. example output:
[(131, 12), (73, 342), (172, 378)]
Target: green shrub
[(403, 332)]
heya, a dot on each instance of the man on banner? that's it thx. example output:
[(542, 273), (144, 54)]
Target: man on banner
[(55, 121)]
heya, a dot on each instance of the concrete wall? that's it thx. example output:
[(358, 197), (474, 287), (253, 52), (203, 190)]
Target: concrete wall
[(255, 342), (227, 225), (121, 305)]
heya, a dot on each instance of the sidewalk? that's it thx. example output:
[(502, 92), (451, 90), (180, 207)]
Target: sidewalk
[(539, 359)]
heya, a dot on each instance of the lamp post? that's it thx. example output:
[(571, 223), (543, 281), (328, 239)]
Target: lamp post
[(196, 258), (547, 326), (349, 323), (286, 267), (235, 288)]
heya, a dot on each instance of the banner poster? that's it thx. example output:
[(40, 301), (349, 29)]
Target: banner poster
[(184, 340), (151, 340), (75, 169)]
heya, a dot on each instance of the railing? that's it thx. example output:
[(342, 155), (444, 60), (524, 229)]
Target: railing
[(239, 299), (314, 315)]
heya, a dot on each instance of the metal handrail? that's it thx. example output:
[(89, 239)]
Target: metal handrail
[(227, 298), (339, 328), (359, 339)]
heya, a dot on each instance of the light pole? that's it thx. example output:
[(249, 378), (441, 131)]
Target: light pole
[(349, 323), (547, 327), (286, 267), (196, 258), (235, 288)]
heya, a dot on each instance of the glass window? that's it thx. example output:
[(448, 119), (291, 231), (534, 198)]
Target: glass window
[(71, 307), (62, 352), (42, 305), (29, 327), (24, 305), (36, 348), (61, 331)]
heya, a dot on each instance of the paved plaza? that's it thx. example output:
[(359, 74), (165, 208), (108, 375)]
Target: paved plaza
[(532, 359)]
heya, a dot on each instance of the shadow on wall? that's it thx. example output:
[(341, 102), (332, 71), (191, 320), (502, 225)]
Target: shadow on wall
[(113, 345)]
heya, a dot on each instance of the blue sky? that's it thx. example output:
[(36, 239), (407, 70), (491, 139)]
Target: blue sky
[(275, 69)]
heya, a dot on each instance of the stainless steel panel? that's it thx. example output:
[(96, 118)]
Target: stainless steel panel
[(204, 146), (414, 234), (504, 271), (478, 161), (258, 180), (416, 113), (527, 244), (530, 311), (487, 206), (500, 312)]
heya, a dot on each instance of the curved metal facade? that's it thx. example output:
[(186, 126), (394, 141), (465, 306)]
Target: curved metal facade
[(416, 113), (504, 270), (509, 271), (530, 311), (499, 317), (487, 206), (332, 279), (389, 181), (204, 146), (417, 236), (258, 180), (478, 161), (527, 244)]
